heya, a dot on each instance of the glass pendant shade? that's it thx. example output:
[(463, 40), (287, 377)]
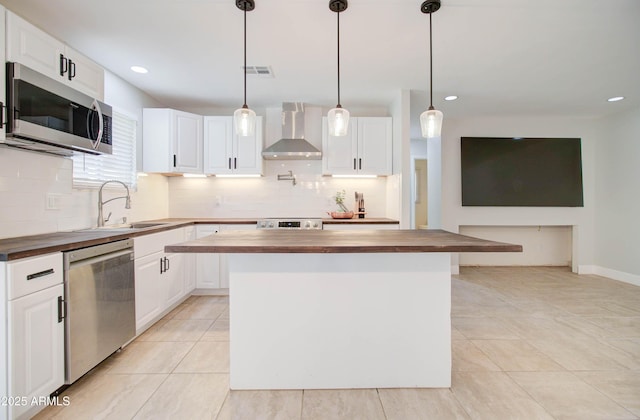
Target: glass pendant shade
[(338, 122), (244, 122), (431, 123)]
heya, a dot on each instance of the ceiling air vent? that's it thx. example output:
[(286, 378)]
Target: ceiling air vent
[(259, 71)]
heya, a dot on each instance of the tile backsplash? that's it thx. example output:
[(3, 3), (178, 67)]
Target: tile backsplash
[(28, 179), (268, 197)]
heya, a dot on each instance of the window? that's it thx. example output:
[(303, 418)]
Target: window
[(92, 171)]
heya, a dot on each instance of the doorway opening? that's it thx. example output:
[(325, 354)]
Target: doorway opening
[(419, 196)]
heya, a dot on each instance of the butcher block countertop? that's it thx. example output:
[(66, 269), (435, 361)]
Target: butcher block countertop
[(34, 245), (330, 241)]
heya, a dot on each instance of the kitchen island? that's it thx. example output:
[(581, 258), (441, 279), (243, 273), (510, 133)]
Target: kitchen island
[(340, 309)]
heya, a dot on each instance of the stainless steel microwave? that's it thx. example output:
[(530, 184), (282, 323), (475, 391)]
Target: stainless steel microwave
[(48, 116)]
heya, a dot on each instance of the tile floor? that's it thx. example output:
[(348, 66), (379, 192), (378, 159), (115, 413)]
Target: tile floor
[(530, 343)]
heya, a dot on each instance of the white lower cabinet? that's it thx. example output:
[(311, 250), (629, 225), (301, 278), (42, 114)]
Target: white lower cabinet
[(32, 335), (190, 268), (213, 272), (207, 265), (175, 279), (224, 267), (149, 289), (37, 347), (160, 276)]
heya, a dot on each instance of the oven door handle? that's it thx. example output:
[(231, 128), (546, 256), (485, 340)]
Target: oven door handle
[(95, 106)]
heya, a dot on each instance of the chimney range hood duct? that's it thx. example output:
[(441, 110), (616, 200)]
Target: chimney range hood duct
[(292, 146)]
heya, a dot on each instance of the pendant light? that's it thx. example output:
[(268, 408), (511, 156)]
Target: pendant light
[(338, 117), (431, 119), (244, 119)]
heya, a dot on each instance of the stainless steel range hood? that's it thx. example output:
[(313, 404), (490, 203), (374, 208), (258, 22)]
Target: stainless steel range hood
[(292, 146)]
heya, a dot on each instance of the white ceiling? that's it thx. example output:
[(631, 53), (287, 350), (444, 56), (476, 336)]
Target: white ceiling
[(501, 57)]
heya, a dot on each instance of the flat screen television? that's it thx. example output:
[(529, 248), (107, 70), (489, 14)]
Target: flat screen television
[(521, 171)]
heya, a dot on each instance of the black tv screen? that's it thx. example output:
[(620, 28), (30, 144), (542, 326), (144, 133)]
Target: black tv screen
[(521, 171)]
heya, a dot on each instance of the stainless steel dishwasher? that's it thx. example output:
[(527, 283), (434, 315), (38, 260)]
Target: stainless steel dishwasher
[(100, 304)]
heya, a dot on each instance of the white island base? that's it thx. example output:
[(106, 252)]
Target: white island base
[(340, 320)]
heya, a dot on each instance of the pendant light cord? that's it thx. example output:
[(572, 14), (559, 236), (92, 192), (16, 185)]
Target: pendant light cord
[(339, 106), (244, 69), (430, 65)]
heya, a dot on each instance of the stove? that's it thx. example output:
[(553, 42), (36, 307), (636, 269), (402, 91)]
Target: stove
[(290, 223)]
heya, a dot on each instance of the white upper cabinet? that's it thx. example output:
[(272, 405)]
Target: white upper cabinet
[(172, 141), (365, 150), (218, 145), (28, 45), (227, 153), (86, 76)]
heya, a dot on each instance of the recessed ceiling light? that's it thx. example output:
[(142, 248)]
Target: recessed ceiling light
[(139, 69), (615, 99), (450, 98)]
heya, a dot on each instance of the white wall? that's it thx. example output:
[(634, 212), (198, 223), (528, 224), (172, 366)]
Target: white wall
[(27, 177), (617, 203), (582, 218), (399, 187)]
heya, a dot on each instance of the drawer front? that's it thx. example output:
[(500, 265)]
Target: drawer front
[(155, 242), (30, 275)]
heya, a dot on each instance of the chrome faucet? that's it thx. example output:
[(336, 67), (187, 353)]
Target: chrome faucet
[(127, 204), (287, 177)]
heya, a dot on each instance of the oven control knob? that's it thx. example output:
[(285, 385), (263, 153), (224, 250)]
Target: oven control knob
[(315, 224), (263, 224), (271, 225), (307, 225)]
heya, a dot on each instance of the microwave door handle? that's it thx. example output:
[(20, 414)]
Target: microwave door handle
[(96, 107)]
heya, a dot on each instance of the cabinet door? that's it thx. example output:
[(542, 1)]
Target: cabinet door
[(32, 47), (174, 278), (150, 291), (187, 146), (218, 145), (87, 76), (208, 265), (224, 267), (340, 154), (36, 346), (248, 152), (190, 269), (374, 145)]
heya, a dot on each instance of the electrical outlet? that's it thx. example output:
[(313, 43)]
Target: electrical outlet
[(218, 200), (53, 201)]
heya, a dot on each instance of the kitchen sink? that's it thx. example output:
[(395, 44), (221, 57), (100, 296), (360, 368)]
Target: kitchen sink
[(142, 225)]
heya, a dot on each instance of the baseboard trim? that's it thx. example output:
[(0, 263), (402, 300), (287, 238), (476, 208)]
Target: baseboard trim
[(210, 292), (617, 275), (587, 269)]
